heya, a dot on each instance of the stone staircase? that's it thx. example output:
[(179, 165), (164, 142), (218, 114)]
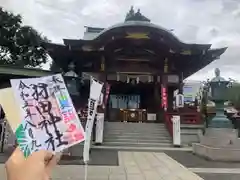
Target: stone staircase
[(124, 135), (191, 133)]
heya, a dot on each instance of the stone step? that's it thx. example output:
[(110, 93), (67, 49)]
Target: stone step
[(141, 138), (137, 144), (131, 123), (140, 128), (136, 135), (140, 134), (192, 126), (138, 140), (161, 133), (190, 131), (154, 149), (129, 136), (136, 130), (143, 125), (132, 127)]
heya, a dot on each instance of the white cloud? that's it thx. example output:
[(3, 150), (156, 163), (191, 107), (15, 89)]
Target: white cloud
[(193, 21)]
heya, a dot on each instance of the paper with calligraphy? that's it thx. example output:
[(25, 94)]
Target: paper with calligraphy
[(50, 121)]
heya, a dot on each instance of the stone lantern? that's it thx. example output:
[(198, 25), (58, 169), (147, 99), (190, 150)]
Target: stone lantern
[(218, 90), (72, 80)]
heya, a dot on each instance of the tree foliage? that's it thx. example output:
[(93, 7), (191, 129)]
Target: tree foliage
[(233, 95), (19, 45), (54, 67)]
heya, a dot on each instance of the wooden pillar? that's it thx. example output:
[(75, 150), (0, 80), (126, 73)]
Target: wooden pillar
[(157, 97), (99, 124), (102, 78), (181, 84), (170, 92)]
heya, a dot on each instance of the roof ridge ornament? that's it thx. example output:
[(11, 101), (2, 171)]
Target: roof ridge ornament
[(132, 16)]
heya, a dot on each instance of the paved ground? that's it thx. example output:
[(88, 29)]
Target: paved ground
[(132, 165), (213, 176), (190, 160), (99, 157), (125, 165)]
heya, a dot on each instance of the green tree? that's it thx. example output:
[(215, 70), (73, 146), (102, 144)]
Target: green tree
[(233, 95), (19, 45), (54, 67)]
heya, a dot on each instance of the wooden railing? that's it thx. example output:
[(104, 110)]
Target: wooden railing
[(168, 123), (191, 118), (186, 118)]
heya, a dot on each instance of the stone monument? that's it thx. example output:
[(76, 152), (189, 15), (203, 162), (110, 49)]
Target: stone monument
[(220, 141)]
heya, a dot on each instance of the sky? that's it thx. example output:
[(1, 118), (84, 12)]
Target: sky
[(194, 21)]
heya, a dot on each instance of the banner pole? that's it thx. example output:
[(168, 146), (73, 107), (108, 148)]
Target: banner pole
[(85, 171)]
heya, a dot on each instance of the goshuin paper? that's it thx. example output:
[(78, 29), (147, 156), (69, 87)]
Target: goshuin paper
[(50, 121)]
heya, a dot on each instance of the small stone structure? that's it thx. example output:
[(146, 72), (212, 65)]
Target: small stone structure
[(217, 77), (219, 144)]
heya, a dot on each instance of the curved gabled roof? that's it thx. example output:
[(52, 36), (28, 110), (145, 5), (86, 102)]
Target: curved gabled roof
[(137, 23)]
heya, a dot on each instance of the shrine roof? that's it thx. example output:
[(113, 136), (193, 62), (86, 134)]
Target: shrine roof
[(21, 71), (121, 30), (192, 67), (134, 26), (136, 30)]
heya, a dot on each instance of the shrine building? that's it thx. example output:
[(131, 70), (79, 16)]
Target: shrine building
[(142, 62)]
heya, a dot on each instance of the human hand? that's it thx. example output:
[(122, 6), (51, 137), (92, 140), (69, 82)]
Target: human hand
[(37, 166)]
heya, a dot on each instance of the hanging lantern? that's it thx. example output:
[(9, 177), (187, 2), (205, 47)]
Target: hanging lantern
[(166, 65), (103, 64)]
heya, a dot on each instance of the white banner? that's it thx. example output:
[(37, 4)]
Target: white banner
[(95, 92), (99, 128), (179, 101)]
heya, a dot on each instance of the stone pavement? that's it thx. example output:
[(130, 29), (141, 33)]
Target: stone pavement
[(132, 165), (216, 170)]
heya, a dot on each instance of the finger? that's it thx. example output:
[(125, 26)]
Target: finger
[(17, 158), (52, 164), (40, 156)]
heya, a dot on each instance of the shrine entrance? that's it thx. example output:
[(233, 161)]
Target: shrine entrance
[(130, 102)]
